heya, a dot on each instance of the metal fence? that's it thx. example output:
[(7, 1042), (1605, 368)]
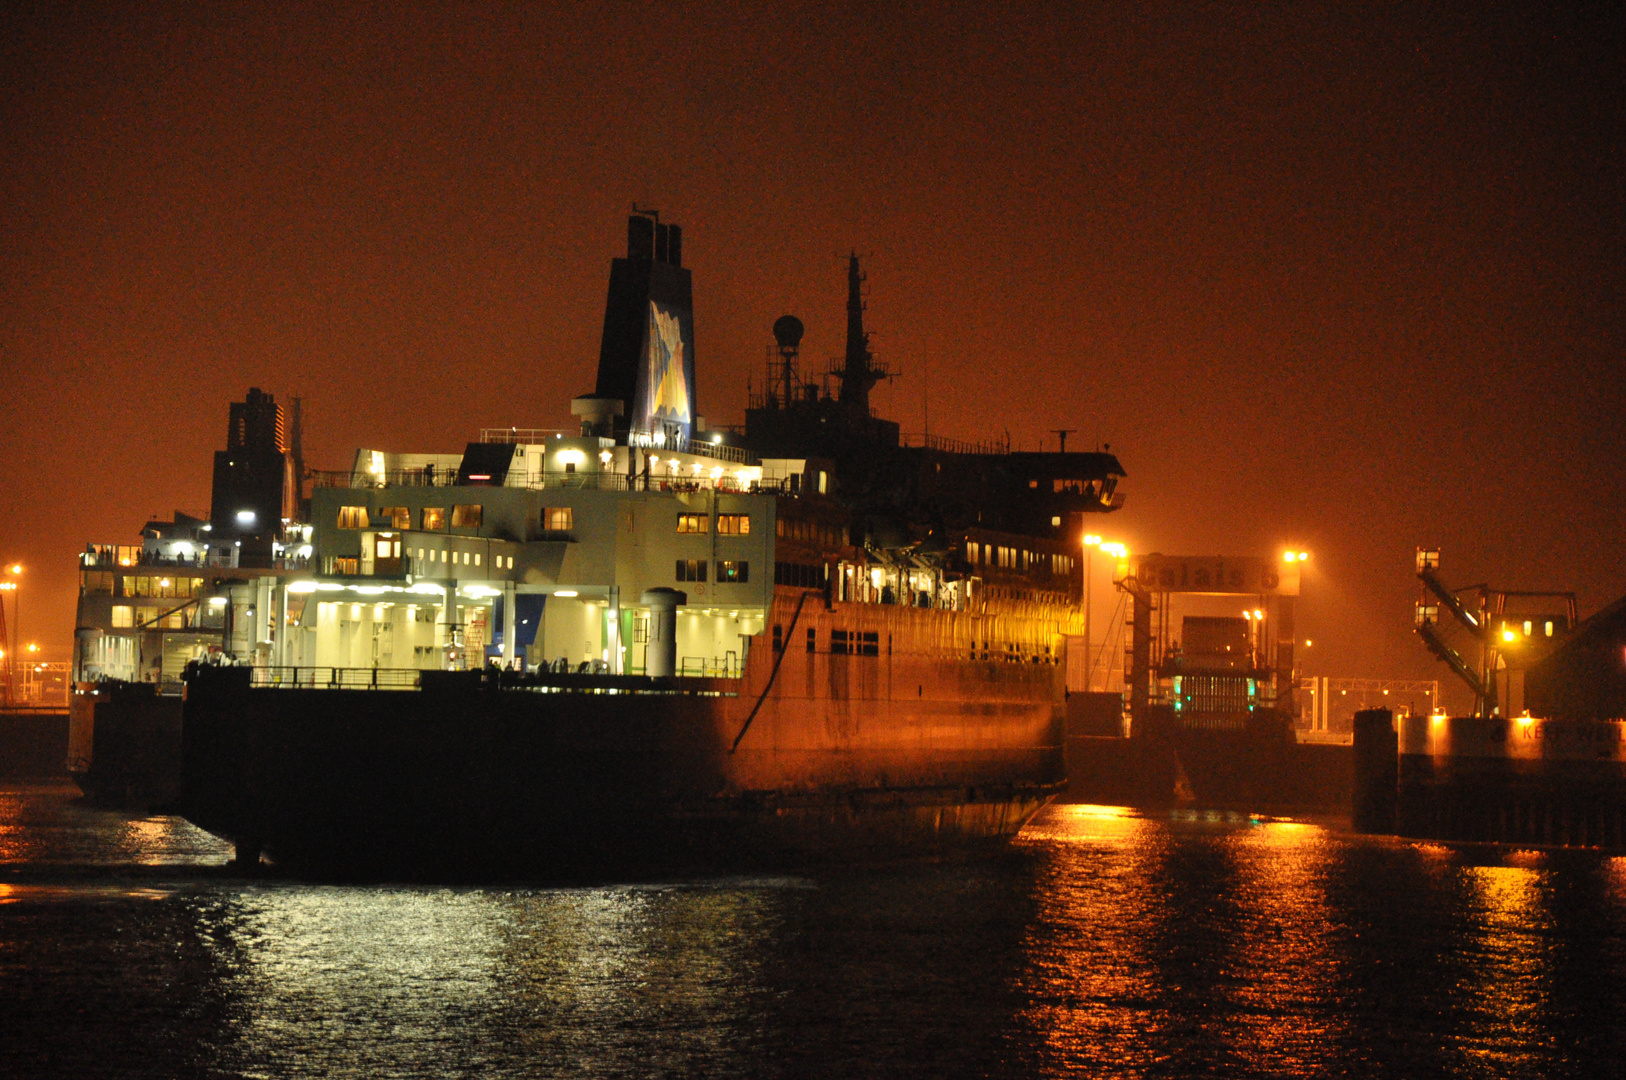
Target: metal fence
[(335, 678), (554, 481)]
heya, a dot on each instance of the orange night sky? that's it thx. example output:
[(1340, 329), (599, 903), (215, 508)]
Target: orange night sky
[(1348, 278)]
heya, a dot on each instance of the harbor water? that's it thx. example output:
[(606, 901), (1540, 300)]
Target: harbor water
[(1103, 943)]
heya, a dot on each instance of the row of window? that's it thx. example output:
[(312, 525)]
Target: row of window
[(103, 583), (431, 518), (868, 643), (126, 617), (842, 642), (729, 571), (812, 532), (799, 575), (1075, 487), (431, 557), (727, 524), (1014, 558)]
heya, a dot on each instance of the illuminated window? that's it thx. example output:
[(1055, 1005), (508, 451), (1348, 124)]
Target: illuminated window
[(733, 570), (691, 570), (558, 519), (465, 558), (347, 566), (466, 516), (396, 517), (353, 517), (100, 583), (434, 519), (734, 524), (693, 523), (476, 558), (123, 615)]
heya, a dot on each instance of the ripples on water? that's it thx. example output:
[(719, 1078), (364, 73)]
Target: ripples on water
[(1104, 944)]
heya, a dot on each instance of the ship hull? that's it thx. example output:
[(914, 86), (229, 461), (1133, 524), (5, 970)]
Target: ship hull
[(831, 759)]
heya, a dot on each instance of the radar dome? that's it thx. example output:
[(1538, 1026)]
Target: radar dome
[(787, 331)]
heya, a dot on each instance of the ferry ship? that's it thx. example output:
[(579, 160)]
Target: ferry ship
[(646, 641)]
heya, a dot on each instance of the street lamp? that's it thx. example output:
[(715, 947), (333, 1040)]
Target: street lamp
[(14, 570), (1091, 542)]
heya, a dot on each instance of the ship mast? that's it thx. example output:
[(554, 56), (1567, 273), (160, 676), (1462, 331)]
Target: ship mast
[(858, 374)]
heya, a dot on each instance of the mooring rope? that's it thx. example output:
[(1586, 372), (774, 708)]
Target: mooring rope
[(784, 647)]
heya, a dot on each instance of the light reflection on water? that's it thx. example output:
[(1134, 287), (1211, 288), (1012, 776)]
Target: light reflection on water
[(1106, 943), (43, 823)]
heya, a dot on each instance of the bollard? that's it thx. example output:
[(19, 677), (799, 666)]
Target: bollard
[(1377, 769)]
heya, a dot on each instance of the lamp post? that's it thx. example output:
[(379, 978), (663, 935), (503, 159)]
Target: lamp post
[(1091, 542), (10, 648)]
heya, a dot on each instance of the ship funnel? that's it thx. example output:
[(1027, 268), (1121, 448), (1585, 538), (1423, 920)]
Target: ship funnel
[(640, 238), (661, 658), (597, 414)]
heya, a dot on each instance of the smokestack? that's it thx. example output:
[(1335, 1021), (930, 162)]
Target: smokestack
[(640, 238), (660, 242), (674, 245)]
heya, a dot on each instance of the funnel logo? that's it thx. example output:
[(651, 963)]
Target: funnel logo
[(664, 397)]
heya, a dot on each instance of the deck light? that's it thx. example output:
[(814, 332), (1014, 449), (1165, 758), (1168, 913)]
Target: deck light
[(1508, 635), (566, 593), (298, 587)]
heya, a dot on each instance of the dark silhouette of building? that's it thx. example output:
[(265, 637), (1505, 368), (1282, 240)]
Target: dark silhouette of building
[(1585, 677), (254, 489)]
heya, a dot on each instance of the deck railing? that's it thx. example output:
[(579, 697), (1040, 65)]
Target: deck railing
[(336, 678), (719, 679), (553, 481)]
